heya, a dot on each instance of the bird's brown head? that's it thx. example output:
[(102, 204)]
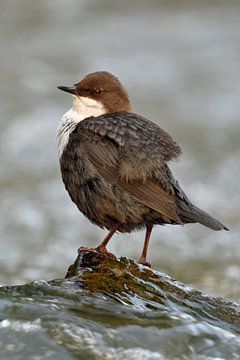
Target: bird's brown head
[(102, 87)]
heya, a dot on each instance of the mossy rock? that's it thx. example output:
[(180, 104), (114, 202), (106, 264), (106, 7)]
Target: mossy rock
[(132, 284)]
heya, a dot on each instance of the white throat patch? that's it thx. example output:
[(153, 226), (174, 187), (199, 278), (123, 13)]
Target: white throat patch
[(83, 108)]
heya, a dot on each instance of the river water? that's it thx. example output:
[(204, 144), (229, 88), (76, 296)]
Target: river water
[(180, 63)]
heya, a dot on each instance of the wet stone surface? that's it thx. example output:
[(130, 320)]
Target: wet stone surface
[(115, 309)]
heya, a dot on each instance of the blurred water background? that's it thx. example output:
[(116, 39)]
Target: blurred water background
[(180, 63)]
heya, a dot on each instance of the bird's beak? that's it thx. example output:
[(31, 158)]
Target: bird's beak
[(69, 89)]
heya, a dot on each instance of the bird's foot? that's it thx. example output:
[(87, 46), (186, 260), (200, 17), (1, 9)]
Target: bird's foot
[(99, 249), (103, 250), (144, 262)]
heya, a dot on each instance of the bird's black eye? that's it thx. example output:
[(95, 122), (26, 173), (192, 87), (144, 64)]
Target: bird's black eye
[(98, 91)]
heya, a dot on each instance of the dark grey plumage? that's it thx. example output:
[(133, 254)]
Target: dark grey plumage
[(114, 168)]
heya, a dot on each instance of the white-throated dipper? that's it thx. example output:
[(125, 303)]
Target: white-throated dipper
[(114, 163)]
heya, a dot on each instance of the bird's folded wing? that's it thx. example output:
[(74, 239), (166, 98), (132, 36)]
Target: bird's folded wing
[(109, 158), (143, 147)]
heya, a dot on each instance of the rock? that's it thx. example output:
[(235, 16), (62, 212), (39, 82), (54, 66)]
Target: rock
[(115, 309), (129, 282)]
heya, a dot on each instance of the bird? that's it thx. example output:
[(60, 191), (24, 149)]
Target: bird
[(115, 164)]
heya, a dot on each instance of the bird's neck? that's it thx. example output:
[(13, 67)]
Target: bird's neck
[(83, 108), (86, 107)]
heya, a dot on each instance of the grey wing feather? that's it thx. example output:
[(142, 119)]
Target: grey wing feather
[(143, 146), (130, 152), (148, 193)]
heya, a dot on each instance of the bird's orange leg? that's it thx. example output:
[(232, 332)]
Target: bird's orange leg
[(143, 258), (102, 248)]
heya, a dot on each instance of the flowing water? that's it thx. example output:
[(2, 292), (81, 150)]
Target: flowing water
[(180, 63), (110, 310)]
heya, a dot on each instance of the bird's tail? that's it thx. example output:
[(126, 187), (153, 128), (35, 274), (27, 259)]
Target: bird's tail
[(194, 214)]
